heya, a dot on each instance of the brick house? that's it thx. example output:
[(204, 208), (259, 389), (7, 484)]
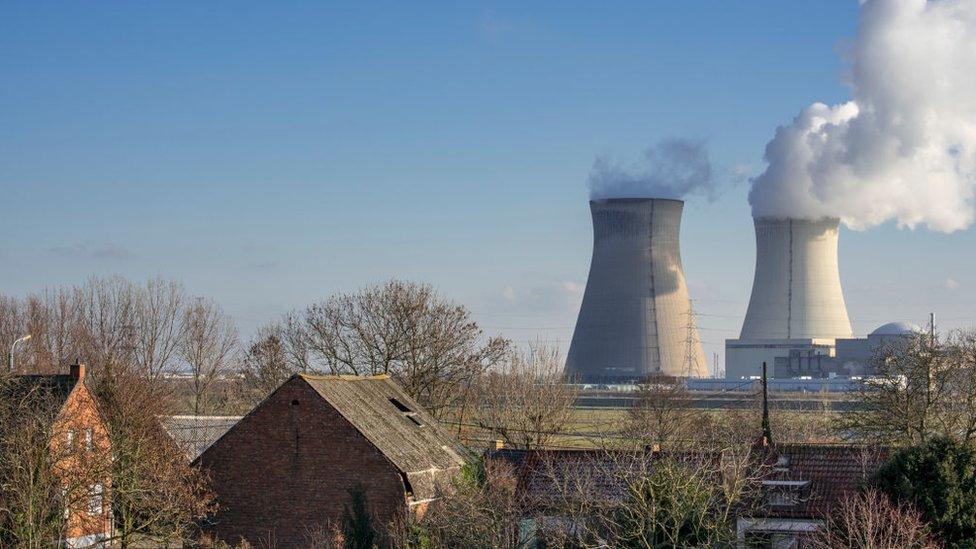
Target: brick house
[(287, 469), (801, 486), (79, 448)]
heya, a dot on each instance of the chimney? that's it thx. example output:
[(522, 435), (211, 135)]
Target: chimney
[(78, 371)]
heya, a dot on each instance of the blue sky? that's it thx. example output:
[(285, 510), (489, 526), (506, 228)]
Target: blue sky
[(270, 154)]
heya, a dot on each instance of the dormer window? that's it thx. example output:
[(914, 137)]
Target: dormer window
[(783, 493)]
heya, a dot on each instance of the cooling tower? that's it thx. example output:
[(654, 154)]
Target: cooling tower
[(796, 292), (636, 318)]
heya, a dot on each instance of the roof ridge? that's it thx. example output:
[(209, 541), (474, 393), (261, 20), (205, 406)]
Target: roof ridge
[(343, 377)]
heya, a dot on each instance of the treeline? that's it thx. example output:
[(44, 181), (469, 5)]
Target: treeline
[(153, 331), (156, 330), (189, 349)]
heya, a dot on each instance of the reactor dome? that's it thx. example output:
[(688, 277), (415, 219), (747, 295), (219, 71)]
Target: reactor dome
[(896, 329)]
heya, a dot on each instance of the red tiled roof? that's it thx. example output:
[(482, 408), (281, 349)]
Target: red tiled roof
[(548, 476), (813, 478), (819, 475)]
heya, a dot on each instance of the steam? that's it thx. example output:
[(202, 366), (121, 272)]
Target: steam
[(671, 168), (905, 147)]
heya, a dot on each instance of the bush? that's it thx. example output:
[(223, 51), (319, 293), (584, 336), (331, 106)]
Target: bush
[(939, 479)]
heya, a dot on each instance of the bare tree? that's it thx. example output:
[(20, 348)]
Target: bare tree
[(158, 317), (869, 520), (107, 316), (207, 349), (265, 365), (483, 509), (430, 345), (663, 415), (627, 496), (157, 495), (11, 326), (925, 387), (527, 401)]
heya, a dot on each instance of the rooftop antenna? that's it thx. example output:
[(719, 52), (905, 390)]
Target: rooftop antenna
[(767, 436)]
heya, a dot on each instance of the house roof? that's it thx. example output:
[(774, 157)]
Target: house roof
[(821, 474), (194, 434), (32, 390), (813, 478), (395, 424), (550, 476)]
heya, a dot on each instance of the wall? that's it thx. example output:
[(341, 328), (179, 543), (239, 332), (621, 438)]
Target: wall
[(286, 470), (744, 358)]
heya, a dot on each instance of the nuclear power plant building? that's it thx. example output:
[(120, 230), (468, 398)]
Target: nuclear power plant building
[(797, 304), (636, 318)]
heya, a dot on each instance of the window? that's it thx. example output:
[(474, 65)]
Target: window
[(71, 439), (782, 499), (783, 493), (89, 439), (400, 406), (407, 412), (64, 501), (95, 502)]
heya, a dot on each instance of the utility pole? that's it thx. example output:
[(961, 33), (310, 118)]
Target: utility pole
[(767, 436)]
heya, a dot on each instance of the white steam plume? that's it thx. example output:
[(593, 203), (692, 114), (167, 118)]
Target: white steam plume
[(905, 147), (671, 168)]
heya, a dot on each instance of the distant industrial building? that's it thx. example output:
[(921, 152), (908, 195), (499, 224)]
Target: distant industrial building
[(850, 356), (636, 318)]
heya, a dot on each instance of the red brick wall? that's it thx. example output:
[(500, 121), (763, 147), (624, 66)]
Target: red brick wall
[(83, 468), (287, 469)]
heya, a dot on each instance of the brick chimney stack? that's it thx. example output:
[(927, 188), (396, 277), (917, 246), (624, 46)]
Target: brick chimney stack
[(78, 371)]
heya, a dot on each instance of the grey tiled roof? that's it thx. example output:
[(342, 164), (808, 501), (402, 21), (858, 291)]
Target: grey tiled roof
[(393, 422), (194, 434)]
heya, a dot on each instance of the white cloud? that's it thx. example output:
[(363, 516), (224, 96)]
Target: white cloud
[(904, 148)]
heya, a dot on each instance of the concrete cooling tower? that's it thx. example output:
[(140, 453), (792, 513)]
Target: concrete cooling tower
[(797, 305), (636, 317), (796, 291)]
